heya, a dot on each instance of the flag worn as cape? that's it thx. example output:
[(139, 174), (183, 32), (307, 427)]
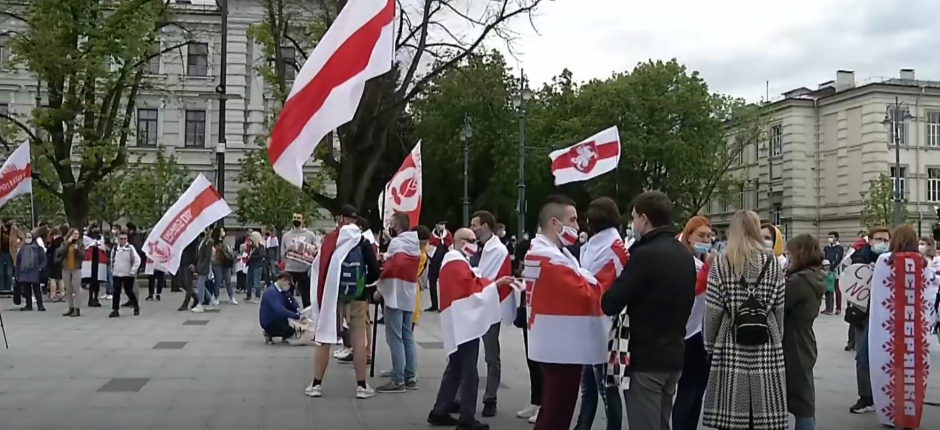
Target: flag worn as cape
[(494, 264), (566, 324), (324, 282), (469, 303), (98, 269), (400, 272), (902, 294)]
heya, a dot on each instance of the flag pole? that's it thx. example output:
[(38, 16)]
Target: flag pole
[(32, 209), (375, 326)]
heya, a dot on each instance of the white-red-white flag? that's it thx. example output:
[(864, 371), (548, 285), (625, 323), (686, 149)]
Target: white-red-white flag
[(470, 304), (400, 272), (200, 206), (587, 159), (494, 264), (358, 46), (16, 175), (403, 192)]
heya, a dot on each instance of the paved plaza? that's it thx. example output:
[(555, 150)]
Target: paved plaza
[(183, 371)]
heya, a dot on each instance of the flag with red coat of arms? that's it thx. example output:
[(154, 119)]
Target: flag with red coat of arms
[(587, 159)]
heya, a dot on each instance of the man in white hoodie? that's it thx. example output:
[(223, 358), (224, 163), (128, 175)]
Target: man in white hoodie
[(125, 262)]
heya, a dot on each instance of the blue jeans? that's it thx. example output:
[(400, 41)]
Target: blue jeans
[(805, 424), (401, 344), (594, 381), (223, 276), (254, 280), (109, 286), (203, 291), (6, 272)]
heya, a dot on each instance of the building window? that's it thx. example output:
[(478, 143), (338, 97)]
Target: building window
[(776, 140), (898, 134), (4, 52), (933, 129), (776, 213), (153, 64), (288, 57), (195, 129), (933, 184), (899, 183), (4, 108), (742, 197), (197, 60), (146, 127)]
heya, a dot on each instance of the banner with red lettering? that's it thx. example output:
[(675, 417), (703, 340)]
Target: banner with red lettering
[(199, 207), (16, 174), (899, 337), (403, 192)]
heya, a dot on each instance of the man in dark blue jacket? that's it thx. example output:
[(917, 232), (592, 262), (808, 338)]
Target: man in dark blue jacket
[(277, 307)]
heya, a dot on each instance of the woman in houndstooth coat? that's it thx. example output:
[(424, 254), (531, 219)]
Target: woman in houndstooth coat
[(746, 384)]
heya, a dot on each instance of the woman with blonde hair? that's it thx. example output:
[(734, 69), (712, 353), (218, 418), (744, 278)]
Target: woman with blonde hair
[(746, 384), (255, 265)]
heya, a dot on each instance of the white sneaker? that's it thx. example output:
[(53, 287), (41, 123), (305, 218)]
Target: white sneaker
[(198, 309), (312, 391), (256, 301), (534, 417), (233, 301), (108, 297), (215, 303), (364, 393), (528, 411), (342, 353)]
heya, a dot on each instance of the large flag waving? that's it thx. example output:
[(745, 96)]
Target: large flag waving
[(469, 303), (587, 159), (200, 206), (16, 175), (358, 46), (403, 192), (494, 264)]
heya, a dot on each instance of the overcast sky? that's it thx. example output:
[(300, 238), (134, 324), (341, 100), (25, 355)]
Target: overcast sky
[(737, 45)]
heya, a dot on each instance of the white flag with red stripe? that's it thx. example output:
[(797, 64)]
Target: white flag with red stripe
[(566, 323), (16, 175), (469, 303), (400, 272), (357, 47), (403, 192), (587, 159), (200, 206), (494, 264)]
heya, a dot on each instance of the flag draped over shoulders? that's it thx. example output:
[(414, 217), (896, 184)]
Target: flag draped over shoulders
[(697, 317), (324, 282), (566, 324), (494, 264), (604, 257), (469, 303), (902, 293), (400, 272)]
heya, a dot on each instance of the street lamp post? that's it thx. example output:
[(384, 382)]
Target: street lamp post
[(465, 136), (893, 122), (518, 101), (220, 149)]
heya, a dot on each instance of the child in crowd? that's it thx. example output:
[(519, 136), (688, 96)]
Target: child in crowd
[(830, 287)]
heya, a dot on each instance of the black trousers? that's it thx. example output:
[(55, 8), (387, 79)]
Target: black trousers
[(432, 286), (30, 289), (535, 382), (280, 328), (691, 389), (460, 374), (127, 283), (301, 281), (158, 278), (93, 289)]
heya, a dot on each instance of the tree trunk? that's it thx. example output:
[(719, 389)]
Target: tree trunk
[(76, 207)]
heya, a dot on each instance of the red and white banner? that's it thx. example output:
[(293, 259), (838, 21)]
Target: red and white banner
[(470, 304), (99, 268), (604, 256), (324, 282), (16, 175), (403, 192), (200, 206), (566, 323), (495, 264), (400, 272), (902, 296), (357, 47), (587, 159)]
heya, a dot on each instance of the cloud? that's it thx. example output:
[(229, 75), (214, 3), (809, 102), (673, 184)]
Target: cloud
[(737, 45)]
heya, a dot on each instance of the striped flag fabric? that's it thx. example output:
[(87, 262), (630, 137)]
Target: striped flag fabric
[(358, 46), (400, 272), (469, 303), (16, 175), (494, 264), (587, 159)]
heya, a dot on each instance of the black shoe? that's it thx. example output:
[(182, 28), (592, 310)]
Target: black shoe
[(95, 304), (380, 321), (114, 314), (127, 304), (862, 406), (454, 408), (158, 297), (136, 311), (849, 348), (149, 298), (69, 313), (432, 309), (26, 308), (489, 410), (183, 308), (42, 309), (77, 313), (346, 359), (476, 425), (441, 420)]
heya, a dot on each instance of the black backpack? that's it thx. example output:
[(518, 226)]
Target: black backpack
[(750, 322)]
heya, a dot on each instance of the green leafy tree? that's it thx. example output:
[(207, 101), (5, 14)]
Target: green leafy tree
[(48, 208), (879, 203), (90, 56), (264, 197), (373, 144), (152, 187), (106, 200)]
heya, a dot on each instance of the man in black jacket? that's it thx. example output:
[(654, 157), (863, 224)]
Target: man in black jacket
[(657, 287), (879, 239)]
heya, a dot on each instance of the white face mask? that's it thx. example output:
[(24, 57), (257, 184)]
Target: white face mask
[(28, 240), (922, 249), (469, 249), (568, 235), (769, 244), (832, 240)]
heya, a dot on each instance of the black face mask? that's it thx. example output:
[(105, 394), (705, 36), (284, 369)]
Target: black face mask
[(296, 223)]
